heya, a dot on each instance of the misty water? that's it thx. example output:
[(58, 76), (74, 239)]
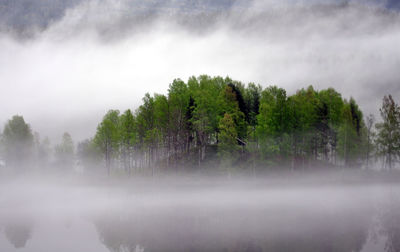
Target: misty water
[(198, 214)]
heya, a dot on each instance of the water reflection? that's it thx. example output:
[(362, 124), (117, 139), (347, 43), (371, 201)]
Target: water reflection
[(390, 220), (18, 233), (260, 220), (336, 218), (234, 230)]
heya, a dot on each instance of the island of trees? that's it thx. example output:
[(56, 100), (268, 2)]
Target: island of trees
[(215, 123)]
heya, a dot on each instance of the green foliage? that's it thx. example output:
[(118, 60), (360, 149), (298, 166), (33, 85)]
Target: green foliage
[(332, 103), (227, 147), (252, 95), (273, 117), (162, 113), (388, 138), (273, 123), (227, 137), (347, 144), (207, 113), (230, 104), (329, 120), (219, 118), (145, 121), (107, 136), (350, 143), (304, 109), (127, 129), (178, 102)]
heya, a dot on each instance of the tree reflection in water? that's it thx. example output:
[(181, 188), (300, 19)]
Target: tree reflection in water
[(364, 219), (234, 230), (18, 232), (390, 221)]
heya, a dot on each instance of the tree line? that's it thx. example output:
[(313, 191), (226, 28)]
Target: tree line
[(221, 124), (21, 148)]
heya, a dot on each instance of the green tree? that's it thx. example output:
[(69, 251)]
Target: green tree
[(227, 147), (388, 138), (147, 133), (178, 101), (252, 97), (162, 129), (350, 134), (127, 133), (309, 127), (206, 113), (230, 103), (303, 117), (18, 142), (107, 137), (274, 124), (329, 118)]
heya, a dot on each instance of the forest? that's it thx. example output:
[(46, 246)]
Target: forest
[(222, 125)]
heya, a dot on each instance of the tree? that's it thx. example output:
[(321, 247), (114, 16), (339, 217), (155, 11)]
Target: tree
[(178, 102), (64, 152), (227, 146), (1, 147), (146, 131), (350, 134), (329, 118), (231, 101), (303, 116), (206, 114), (389, 131), (236, 90), (274, 123), (18, 233), (252, 97), (18, 142), (370, 120), (88, 155), (44, 152), (128, 138), (107, 137), (309, 127)]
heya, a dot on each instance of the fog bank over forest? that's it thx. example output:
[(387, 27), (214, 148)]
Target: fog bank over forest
[(63, 65)]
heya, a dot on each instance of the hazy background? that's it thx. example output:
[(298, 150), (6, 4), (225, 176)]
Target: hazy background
[(63, 64)]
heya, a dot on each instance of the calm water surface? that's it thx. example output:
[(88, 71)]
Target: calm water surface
[(40, 216)]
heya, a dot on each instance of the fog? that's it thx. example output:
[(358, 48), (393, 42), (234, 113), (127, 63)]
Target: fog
[(63, 67), (64, 64), (346, 213)]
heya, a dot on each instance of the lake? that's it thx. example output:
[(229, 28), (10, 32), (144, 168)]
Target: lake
[(72, 214)]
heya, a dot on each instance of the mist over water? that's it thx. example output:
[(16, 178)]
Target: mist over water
[(337, 213)]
